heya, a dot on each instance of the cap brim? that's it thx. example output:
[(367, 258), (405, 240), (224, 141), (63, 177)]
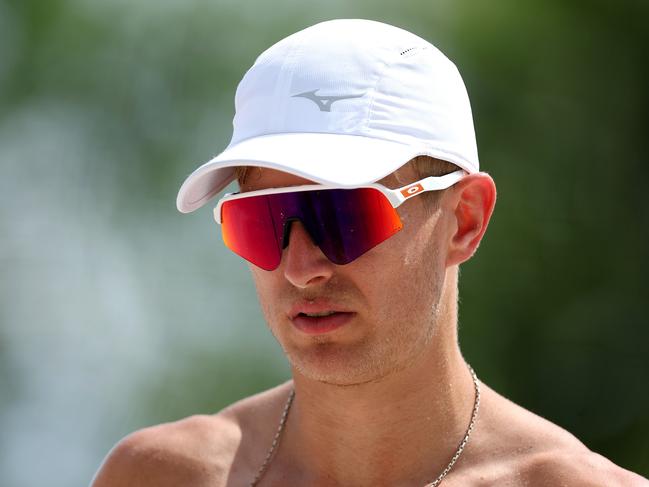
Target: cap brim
[(345, 160)]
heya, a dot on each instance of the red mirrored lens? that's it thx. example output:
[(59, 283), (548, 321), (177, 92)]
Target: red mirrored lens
[(344, 223), (349, 222), (248, 231)]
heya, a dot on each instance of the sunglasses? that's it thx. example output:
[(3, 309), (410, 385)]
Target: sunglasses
[(343, 222)]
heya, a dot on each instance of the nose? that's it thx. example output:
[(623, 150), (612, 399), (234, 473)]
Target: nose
[(303, 262)]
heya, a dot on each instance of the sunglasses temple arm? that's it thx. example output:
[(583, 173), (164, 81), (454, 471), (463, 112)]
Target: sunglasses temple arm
[(431, 183)]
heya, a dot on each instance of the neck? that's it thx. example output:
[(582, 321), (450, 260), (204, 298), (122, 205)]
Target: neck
[(401, 429)]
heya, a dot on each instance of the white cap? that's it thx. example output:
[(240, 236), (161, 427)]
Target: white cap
[(344, 102)]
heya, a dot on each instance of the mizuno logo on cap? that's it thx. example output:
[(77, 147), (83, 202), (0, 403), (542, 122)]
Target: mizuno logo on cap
[(324, 102)]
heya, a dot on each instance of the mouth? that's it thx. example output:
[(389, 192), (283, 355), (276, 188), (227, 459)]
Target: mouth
[(315, 318)]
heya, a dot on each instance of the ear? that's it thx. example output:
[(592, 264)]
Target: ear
[(472, 202)]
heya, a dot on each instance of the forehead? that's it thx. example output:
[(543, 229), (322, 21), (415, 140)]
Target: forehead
[(262, 178)]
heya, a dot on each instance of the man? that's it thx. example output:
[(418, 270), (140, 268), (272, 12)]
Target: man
[(360, 197)]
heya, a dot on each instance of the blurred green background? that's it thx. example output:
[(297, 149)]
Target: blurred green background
[(117, 312)]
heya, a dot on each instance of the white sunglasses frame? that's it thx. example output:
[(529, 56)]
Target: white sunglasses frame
[(395, 196)]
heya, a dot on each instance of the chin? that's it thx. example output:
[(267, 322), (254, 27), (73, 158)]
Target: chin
[(352, 359), (337, 365)]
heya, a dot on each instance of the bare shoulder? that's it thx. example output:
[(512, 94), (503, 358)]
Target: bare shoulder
[(519, 447), (579, 468), (201, 450)]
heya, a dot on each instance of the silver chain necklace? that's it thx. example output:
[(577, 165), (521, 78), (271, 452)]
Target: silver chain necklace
[(434, 483)]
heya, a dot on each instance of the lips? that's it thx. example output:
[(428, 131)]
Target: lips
[(319, 316)]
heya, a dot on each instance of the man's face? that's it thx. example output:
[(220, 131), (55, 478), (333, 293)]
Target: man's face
[(387, 300)]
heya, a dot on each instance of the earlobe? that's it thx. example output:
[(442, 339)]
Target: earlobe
[(473, 202)]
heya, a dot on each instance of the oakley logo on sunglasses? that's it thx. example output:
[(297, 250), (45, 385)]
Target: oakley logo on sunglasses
[(412, 190), (324, 102)]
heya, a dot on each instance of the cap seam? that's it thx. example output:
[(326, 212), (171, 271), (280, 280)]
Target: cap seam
[(284, 81), (370, 111), (387, 66)]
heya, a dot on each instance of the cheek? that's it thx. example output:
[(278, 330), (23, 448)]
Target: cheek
[(266, 291), (411, 266), (423, 240), (409, 289)]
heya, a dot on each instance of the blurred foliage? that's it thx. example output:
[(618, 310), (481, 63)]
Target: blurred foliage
[(116, 312)]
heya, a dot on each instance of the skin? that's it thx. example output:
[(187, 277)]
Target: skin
[(381, 401)]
